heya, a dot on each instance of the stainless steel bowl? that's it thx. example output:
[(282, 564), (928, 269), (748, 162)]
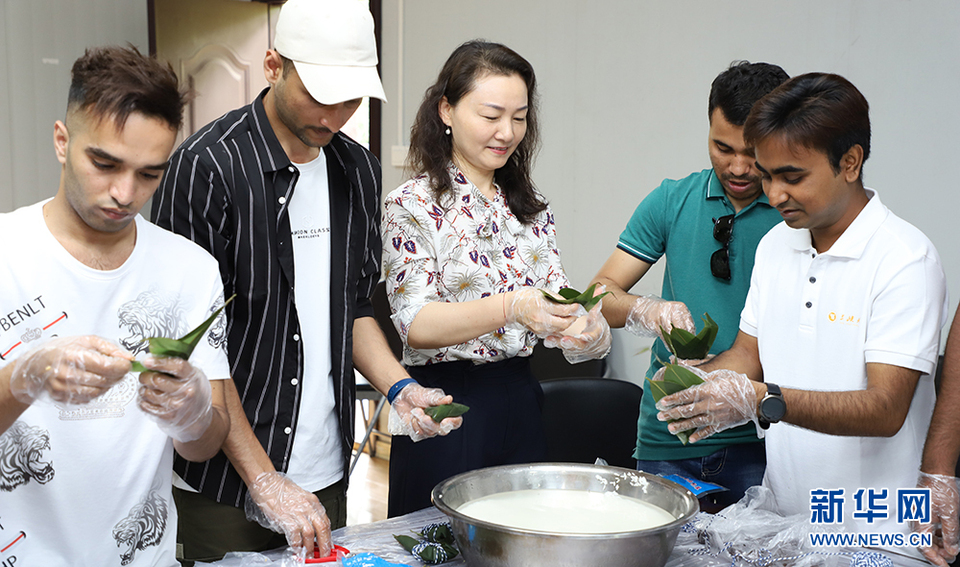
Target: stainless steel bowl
[(484, 544)]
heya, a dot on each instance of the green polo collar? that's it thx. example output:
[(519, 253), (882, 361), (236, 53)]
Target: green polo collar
[(715, 191)]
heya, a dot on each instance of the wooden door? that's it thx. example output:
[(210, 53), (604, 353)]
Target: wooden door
[(217, 47)]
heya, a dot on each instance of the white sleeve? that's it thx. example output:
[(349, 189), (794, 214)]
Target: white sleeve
[(748, 316), (211, 352), (906, 316)]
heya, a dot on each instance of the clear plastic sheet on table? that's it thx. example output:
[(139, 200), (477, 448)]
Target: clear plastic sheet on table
[(748, 534), (751, 533), (375, 538)]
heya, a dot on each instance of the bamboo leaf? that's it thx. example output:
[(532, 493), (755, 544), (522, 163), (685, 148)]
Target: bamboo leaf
[(571, 295), (686, 346), (162, 346), (438, 533), (590, 303), (665, 336), (439, 413), (182, 347), (406, 542), (675, 379), (192, 339), (710, 330), (682, 335), (661, 388), (681, 376)]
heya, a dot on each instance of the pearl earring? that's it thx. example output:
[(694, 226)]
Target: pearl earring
[(447, 131)]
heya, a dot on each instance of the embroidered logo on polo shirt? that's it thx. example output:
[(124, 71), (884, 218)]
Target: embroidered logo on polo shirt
[(844, 319)]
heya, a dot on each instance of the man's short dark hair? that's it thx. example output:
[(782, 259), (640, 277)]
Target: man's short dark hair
[(114, 82), (736, 90), (818, 111)]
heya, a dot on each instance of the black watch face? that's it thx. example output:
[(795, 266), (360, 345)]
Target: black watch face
[(773, 409)]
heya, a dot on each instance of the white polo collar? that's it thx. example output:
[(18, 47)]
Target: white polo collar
[(853, 241)]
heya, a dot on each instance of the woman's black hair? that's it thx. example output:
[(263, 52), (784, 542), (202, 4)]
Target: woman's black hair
[(431, 149)]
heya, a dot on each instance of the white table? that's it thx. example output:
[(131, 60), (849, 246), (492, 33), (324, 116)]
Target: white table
[(377, 538)]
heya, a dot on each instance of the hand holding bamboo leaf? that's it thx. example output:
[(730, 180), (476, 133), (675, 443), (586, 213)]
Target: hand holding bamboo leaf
[(725, 399), (529, 308), (675, 377), (182, 347), (408, 413), (568, 296), (649, 314), (177, 395), (590, 340), (68, 370), (173, 392), (440, 413)]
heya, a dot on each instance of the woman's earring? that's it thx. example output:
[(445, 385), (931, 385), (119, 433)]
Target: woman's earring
[(447, 131)]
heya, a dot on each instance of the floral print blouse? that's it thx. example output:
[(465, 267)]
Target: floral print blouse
[(467, 248)]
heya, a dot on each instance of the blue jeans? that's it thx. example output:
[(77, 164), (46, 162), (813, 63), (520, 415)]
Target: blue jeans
[(736, 467)]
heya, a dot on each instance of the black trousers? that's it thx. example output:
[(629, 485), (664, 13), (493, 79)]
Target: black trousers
[(503, 427)]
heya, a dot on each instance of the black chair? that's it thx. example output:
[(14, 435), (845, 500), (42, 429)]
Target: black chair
[(549, 363), (587, 418)]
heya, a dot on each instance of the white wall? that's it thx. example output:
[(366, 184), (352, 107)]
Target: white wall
[(39, 41), (623, 84), (624, 87)]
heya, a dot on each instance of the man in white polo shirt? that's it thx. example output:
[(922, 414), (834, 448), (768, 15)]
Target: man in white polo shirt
[(842, 320)]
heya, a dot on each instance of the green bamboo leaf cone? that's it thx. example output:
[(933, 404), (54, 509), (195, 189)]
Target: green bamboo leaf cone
[(439, 413), (182, 347), (687, 346), (571, 295)]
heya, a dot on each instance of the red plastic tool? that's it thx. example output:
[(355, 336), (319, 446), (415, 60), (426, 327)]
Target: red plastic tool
[(329, 558)]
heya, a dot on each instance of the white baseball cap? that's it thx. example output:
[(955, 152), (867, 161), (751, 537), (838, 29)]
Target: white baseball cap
[(333, 46)]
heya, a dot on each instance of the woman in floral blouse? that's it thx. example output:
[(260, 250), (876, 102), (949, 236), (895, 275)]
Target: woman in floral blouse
[(468, 244)]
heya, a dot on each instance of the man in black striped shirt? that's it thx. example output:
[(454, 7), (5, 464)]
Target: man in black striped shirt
[(290, 207)]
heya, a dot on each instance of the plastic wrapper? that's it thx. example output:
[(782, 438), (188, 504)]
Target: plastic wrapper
[(751, 533), (375, 539), (275, 558), (747, 534)]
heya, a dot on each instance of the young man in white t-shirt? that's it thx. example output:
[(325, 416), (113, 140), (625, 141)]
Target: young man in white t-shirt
[(85, 443), (839, 336)]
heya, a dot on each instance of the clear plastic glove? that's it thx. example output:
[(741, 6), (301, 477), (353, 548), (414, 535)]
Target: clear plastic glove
[(649, 313), (726, 399), (528, 308), (177, 396), (945, 501), (407, 417), (68, 370), (588, 338), (279, 504), (689, 362)]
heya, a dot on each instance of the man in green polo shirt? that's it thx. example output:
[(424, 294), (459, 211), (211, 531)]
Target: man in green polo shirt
[(708, 226)]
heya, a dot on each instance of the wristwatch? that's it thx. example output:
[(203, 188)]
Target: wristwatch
[(771, 407)]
